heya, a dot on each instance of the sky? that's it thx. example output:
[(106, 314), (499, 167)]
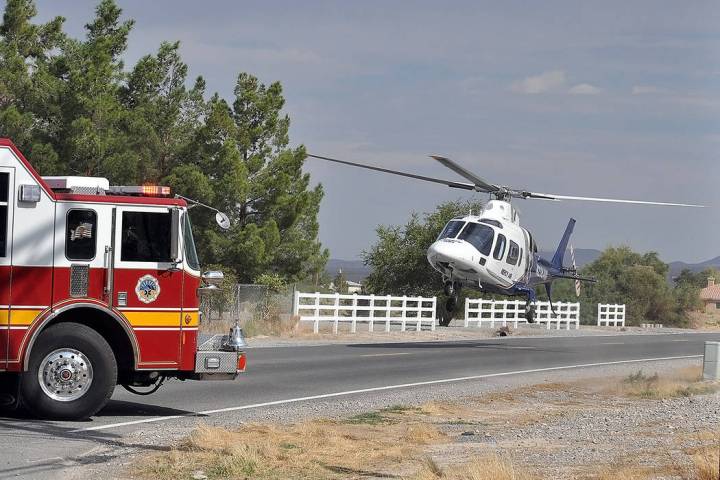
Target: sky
[(608, 99)]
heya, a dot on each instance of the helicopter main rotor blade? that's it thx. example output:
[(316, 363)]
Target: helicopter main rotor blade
[(550, 196), (463, 186), (480, 183)]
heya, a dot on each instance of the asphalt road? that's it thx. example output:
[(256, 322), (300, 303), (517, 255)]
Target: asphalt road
[(291, 376)]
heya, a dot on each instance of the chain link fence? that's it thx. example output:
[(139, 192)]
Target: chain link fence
[(258, 309)]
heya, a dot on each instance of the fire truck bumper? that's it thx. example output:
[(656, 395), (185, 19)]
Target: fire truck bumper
[(217, 359)]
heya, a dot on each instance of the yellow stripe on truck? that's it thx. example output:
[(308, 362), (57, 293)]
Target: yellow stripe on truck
[(18, 317), (153, 319)]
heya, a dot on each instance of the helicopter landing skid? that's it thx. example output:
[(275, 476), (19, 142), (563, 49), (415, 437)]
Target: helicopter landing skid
[(529, 303)]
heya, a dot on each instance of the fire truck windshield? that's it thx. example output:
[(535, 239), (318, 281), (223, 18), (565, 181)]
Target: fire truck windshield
[(191, 256)]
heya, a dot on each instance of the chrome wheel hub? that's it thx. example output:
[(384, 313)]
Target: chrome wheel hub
[(65, 374)]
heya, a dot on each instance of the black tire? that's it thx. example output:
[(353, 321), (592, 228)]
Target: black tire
[(92, 346)]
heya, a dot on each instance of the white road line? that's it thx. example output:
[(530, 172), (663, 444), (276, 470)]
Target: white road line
[(679, 340), (386, 354), (376, 389), (612, 343)]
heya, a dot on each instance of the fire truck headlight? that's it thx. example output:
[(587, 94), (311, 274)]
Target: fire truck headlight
[(30, 193)]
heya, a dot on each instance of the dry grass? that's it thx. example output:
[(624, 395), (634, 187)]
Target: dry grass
[(481, 468), (704, 320), (682, 383), (315, 449), (627, 472), (706, 464), (705, 459), (397, 441), (272, 325)]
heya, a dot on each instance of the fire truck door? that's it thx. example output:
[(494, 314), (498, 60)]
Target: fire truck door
[(147, 287), (7, 189)]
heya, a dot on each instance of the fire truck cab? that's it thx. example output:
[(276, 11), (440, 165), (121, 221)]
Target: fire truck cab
[(99, 286)]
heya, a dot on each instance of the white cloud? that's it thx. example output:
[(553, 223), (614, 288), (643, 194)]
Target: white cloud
[(646, 90), (584, 89), (545, 82)]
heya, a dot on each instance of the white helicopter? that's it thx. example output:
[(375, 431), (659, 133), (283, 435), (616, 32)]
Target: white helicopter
[(491, 251)]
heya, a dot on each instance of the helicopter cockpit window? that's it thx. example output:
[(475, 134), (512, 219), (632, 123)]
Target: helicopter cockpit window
[(451, 230), (513, 253), (499, 247), (479, 236), (489, 221)]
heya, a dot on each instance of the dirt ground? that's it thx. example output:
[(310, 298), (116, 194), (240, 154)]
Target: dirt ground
[(641, 426)]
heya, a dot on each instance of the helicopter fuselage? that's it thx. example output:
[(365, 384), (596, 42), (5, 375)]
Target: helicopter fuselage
[(490, 252)]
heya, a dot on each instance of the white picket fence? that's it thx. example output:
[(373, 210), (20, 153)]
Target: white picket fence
[(385, 310), (611, 315), (480, 311)]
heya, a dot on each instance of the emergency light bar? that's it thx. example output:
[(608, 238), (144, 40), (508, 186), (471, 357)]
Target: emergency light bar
[(143, 190)]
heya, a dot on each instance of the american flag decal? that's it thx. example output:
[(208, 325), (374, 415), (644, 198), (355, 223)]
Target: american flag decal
[(84, 230)]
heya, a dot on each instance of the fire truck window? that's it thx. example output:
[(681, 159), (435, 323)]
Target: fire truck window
[(499, 247), (81, 235), (4, 189), (191, 256), (513, 253), (146, 237)]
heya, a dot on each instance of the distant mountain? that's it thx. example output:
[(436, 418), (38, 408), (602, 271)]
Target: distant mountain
[(356, 271), (677, 267)]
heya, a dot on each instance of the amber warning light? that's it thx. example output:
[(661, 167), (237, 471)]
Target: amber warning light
[(144, 190)]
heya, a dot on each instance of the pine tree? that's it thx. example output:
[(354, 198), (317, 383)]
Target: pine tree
[(74, 109)]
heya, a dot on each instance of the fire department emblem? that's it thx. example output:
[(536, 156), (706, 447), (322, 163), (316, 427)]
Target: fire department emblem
[(147, 289)]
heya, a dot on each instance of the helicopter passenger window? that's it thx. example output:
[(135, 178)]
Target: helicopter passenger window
[(479, 236), (513, 253), (499, 251), (451, 230)]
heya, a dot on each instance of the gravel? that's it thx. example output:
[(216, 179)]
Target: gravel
[(583, 435)]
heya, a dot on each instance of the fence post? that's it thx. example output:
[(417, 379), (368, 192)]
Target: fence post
[(354, 314), (316, 327), (372, 312), (433, 320), (419, 314), (337, 313), (404, 313), (388, 305), (296, 302), (467, 312)]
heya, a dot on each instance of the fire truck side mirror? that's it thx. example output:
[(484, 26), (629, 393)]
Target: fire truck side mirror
[(213, 278), (222, 220), (175, 236)]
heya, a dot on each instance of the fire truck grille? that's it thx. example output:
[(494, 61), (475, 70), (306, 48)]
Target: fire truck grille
[(79, 275)]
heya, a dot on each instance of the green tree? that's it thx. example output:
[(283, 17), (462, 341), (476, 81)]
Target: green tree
[(29, 88), (399, 258), (73, 108), (240, 162), (637, 280)]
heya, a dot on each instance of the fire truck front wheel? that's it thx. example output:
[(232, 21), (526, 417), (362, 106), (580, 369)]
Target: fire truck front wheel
[(71, 374)]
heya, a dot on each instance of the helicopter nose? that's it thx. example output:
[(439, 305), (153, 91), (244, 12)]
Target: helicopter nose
[(442, 251), (451, 252)]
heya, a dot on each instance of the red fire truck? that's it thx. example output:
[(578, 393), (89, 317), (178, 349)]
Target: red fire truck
[(99, 286)]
